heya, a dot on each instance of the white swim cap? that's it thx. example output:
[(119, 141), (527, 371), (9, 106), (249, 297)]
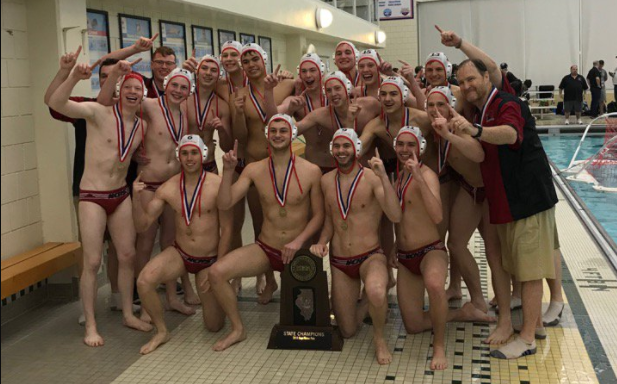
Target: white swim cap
[(340, 77), (370, 54), (180, 72), (446, 92), (252, 47), (312, 58), (232, 44), (417, 135), (441, 58), (213, 59), (132, 75), (356, 53), (193, 141), (285, 118), (400, 84), (351, 135)]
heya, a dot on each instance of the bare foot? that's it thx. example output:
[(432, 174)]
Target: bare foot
[(260, 283), (469, 312), (266, 295), (177, 305), (145, 317), (237, 285), (156, 340), (135, 323), (480, 304), (384, 356), (439, 361), (232, 338), (191, 298), (454, 293), (500, 335), (493, 302), (92, 337)]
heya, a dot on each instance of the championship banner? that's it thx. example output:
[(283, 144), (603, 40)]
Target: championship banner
[(395, 9)]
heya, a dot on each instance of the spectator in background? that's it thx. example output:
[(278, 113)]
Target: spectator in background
[(513, 80), (573, 86), (603, 79), (453, 80), (420, 79), (595, 87), (614, 75)]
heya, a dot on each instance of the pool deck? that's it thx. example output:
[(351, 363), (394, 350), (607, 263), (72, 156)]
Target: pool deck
[(45, 345)]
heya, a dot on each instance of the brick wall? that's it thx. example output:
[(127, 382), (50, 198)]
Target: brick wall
[(21, 213)]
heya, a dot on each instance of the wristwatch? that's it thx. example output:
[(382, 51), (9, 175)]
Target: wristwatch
[(477, 135)]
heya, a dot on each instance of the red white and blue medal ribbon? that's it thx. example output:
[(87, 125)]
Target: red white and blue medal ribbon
[(344, 207), (124, 146), (281, 197), (260, 111), (490, 99), (340, 125), (201, 115), (404, 121), (443, 154), (188, 207), (401, 188), (230, 82), (176, 135)]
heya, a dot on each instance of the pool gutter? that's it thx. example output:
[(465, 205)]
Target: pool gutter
[(602, 239)]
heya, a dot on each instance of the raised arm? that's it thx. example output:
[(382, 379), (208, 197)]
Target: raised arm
[(309, 121), (238, 119), (230, 194), (451, 39), (67, 62), (408, 73), (60, 101), (142, 45), (108, 90), (384, 192), (270, 82), (511, 132), (469, 147), (316, 221), (144, 217), (321, 248), (368, 135), (429, 188)]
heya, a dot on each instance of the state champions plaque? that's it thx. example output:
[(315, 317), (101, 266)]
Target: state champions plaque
[(305, 308)]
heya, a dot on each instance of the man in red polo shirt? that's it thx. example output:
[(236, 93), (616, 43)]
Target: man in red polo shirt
[(520, 192)]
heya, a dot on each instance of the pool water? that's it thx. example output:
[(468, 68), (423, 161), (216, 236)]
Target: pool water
[(603, 205)]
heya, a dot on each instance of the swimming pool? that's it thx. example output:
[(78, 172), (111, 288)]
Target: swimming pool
[(601, 204)]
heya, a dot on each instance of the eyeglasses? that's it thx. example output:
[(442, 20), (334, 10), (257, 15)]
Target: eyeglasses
[(164, 63)]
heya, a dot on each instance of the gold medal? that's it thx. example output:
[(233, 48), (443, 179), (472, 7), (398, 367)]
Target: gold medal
[(344, 225), (282, 212)]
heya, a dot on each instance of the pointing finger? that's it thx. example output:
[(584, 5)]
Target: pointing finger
[(276, 71), (377, 153), (235, 151), (453, 111), (154, 37), (403, 62), (135, 62), (439, 29), (138, 179), (78, 51), (193, 55), (95, 64)]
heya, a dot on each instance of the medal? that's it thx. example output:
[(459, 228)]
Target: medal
[(123, 147), (189, 207), (176, 135), (442, 154), (404, 121), (343, 206), (337, 121), (281, 197)]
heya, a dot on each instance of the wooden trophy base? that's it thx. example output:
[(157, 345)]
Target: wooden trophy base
[(305, 337)]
